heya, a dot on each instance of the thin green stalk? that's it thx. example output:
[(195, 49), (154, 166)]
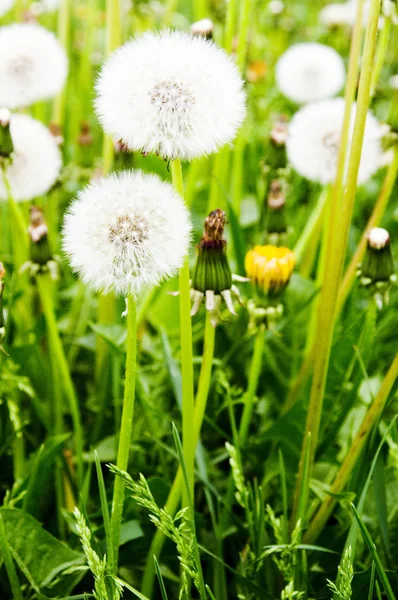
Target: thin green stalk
[(340, 219), (374, 220), (44, 286), (64, 22), (186, 351), (200, 9), (306, 238), (230, 22), (218, 176), (381, 53), (9, 563), (372, 416), (254, 375), (175, 492), (125, 429), (243, 32), (18, 225)]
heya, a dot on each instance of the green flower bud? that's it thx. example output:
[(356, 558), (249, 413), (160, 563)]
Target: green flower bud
[(377, 271), (276, 224), (6, 145)]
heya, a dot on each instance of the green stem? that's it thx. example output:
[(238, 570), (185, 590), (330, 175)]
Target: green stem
[(58, 115), (381, 52), (306, 238), (18, 225), (339, 223), (186, 351), (243, 31), (175, 492), (230, 25), (125, 428), (254, 375), (200, 9), (9, 563), (351, 459), (44, 286)]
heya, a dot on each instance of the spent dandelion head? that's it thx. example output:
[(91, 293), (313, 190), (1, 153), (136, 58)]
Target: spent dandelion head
[(314, 136), (377, 270), (41, 257), (171, 93), (33, 65), (204, 27), (309, 72), (35, 161), (126, 231)]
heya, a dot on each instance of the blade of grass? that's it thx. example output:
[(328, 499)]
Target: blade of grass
[(160, 579), (376, 558), (372, 581), (104, 508)]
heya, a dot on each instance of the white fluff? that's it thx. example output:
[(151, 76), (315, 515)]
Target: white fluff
[(171, 93), (314, 138), (5, 6), (309, 72), (378, 238), (33, 65), (126, 231), (36, 159)]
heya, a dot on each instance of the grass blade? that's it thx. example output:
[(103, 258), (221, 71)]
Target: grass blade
[(160, 579), (104, 508)]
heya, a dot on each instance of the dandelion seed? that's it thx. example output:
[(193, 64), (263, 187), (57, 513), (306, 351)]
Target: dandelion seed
[(309, 72), (171, 93), (314, 140), (33, 65), (36, 160), (126, 231), (5, 6)]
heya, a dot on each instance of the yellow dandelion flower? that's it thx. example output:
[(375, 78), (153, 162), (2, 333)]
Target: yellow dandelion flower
[(270, 267)]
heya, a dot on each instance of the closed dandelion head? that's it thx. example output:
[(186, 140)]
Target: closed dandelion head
[(5, 6), (309, 72), (377, 270), (204, 27), (172, 93), (6, 144), (212, 279), (314, 140), (126, 231), (36, 160), (270, 268), (33, 65)]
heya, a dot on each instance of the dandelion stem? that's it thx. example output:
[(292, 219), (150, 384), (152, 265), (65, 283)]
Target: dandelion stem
[(382, 47), (175, 492), (20, 242), (186, 351), (58, 115), (351, 459), (125, 428), (200, 9), (254, 375), (230, 25), (339, 223), (44, 286)]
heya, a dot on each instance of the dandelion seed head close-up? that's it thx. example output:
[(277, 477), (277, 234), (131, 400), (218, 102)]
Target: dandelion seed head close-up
[(171, 93), (309, 72), (314, 139), (36, 160), (33, 65), (126, 231)]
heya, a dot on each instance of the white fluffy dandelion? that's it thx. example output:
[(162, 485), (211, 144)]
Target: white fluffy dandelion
[(339, 14), (126, 231), (5, 6), (33, 65), (314, 139), (308, 72), (36, 160), (171, 93)]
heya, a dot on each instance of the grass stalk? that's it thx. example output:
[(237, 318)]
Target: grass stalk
[(344, 473), (125, 429), (45, 289), (381, 52), (175, 492), (64, 23), (340, 219), (186, 351)]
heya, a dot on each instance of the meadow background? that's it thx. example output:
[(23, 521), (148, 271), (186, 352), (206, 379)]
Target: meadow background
[(250, 538)]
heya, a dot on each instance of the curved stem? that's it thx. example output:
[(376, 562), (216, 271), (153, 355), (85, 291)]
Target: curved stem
[(125, 428), (371, 417), (175, 492), (254, 375), (44, 286), (186, 351), (340, 219)]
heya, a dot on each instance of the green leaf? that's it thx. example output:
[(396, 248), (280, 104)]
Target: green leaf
[(39, 555), (130, 530), (114, 335), (173, 369)]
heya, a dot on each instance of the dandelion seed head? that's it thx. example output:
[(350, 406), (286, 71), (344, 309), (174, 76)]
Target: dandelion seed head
[(33, 65), (313, 141), (126, 231), (5, 6), (378, 238), (309, 72), (171, 93), (36, 160)]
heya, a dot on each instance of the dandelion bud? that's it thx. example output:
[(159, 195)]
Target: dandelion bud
[(204, 27), (212, 277), (85, 136), (2, 320), (6, 145), (276, 217), (41, 257), (270, 268), (279, 130), (377, 271)]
